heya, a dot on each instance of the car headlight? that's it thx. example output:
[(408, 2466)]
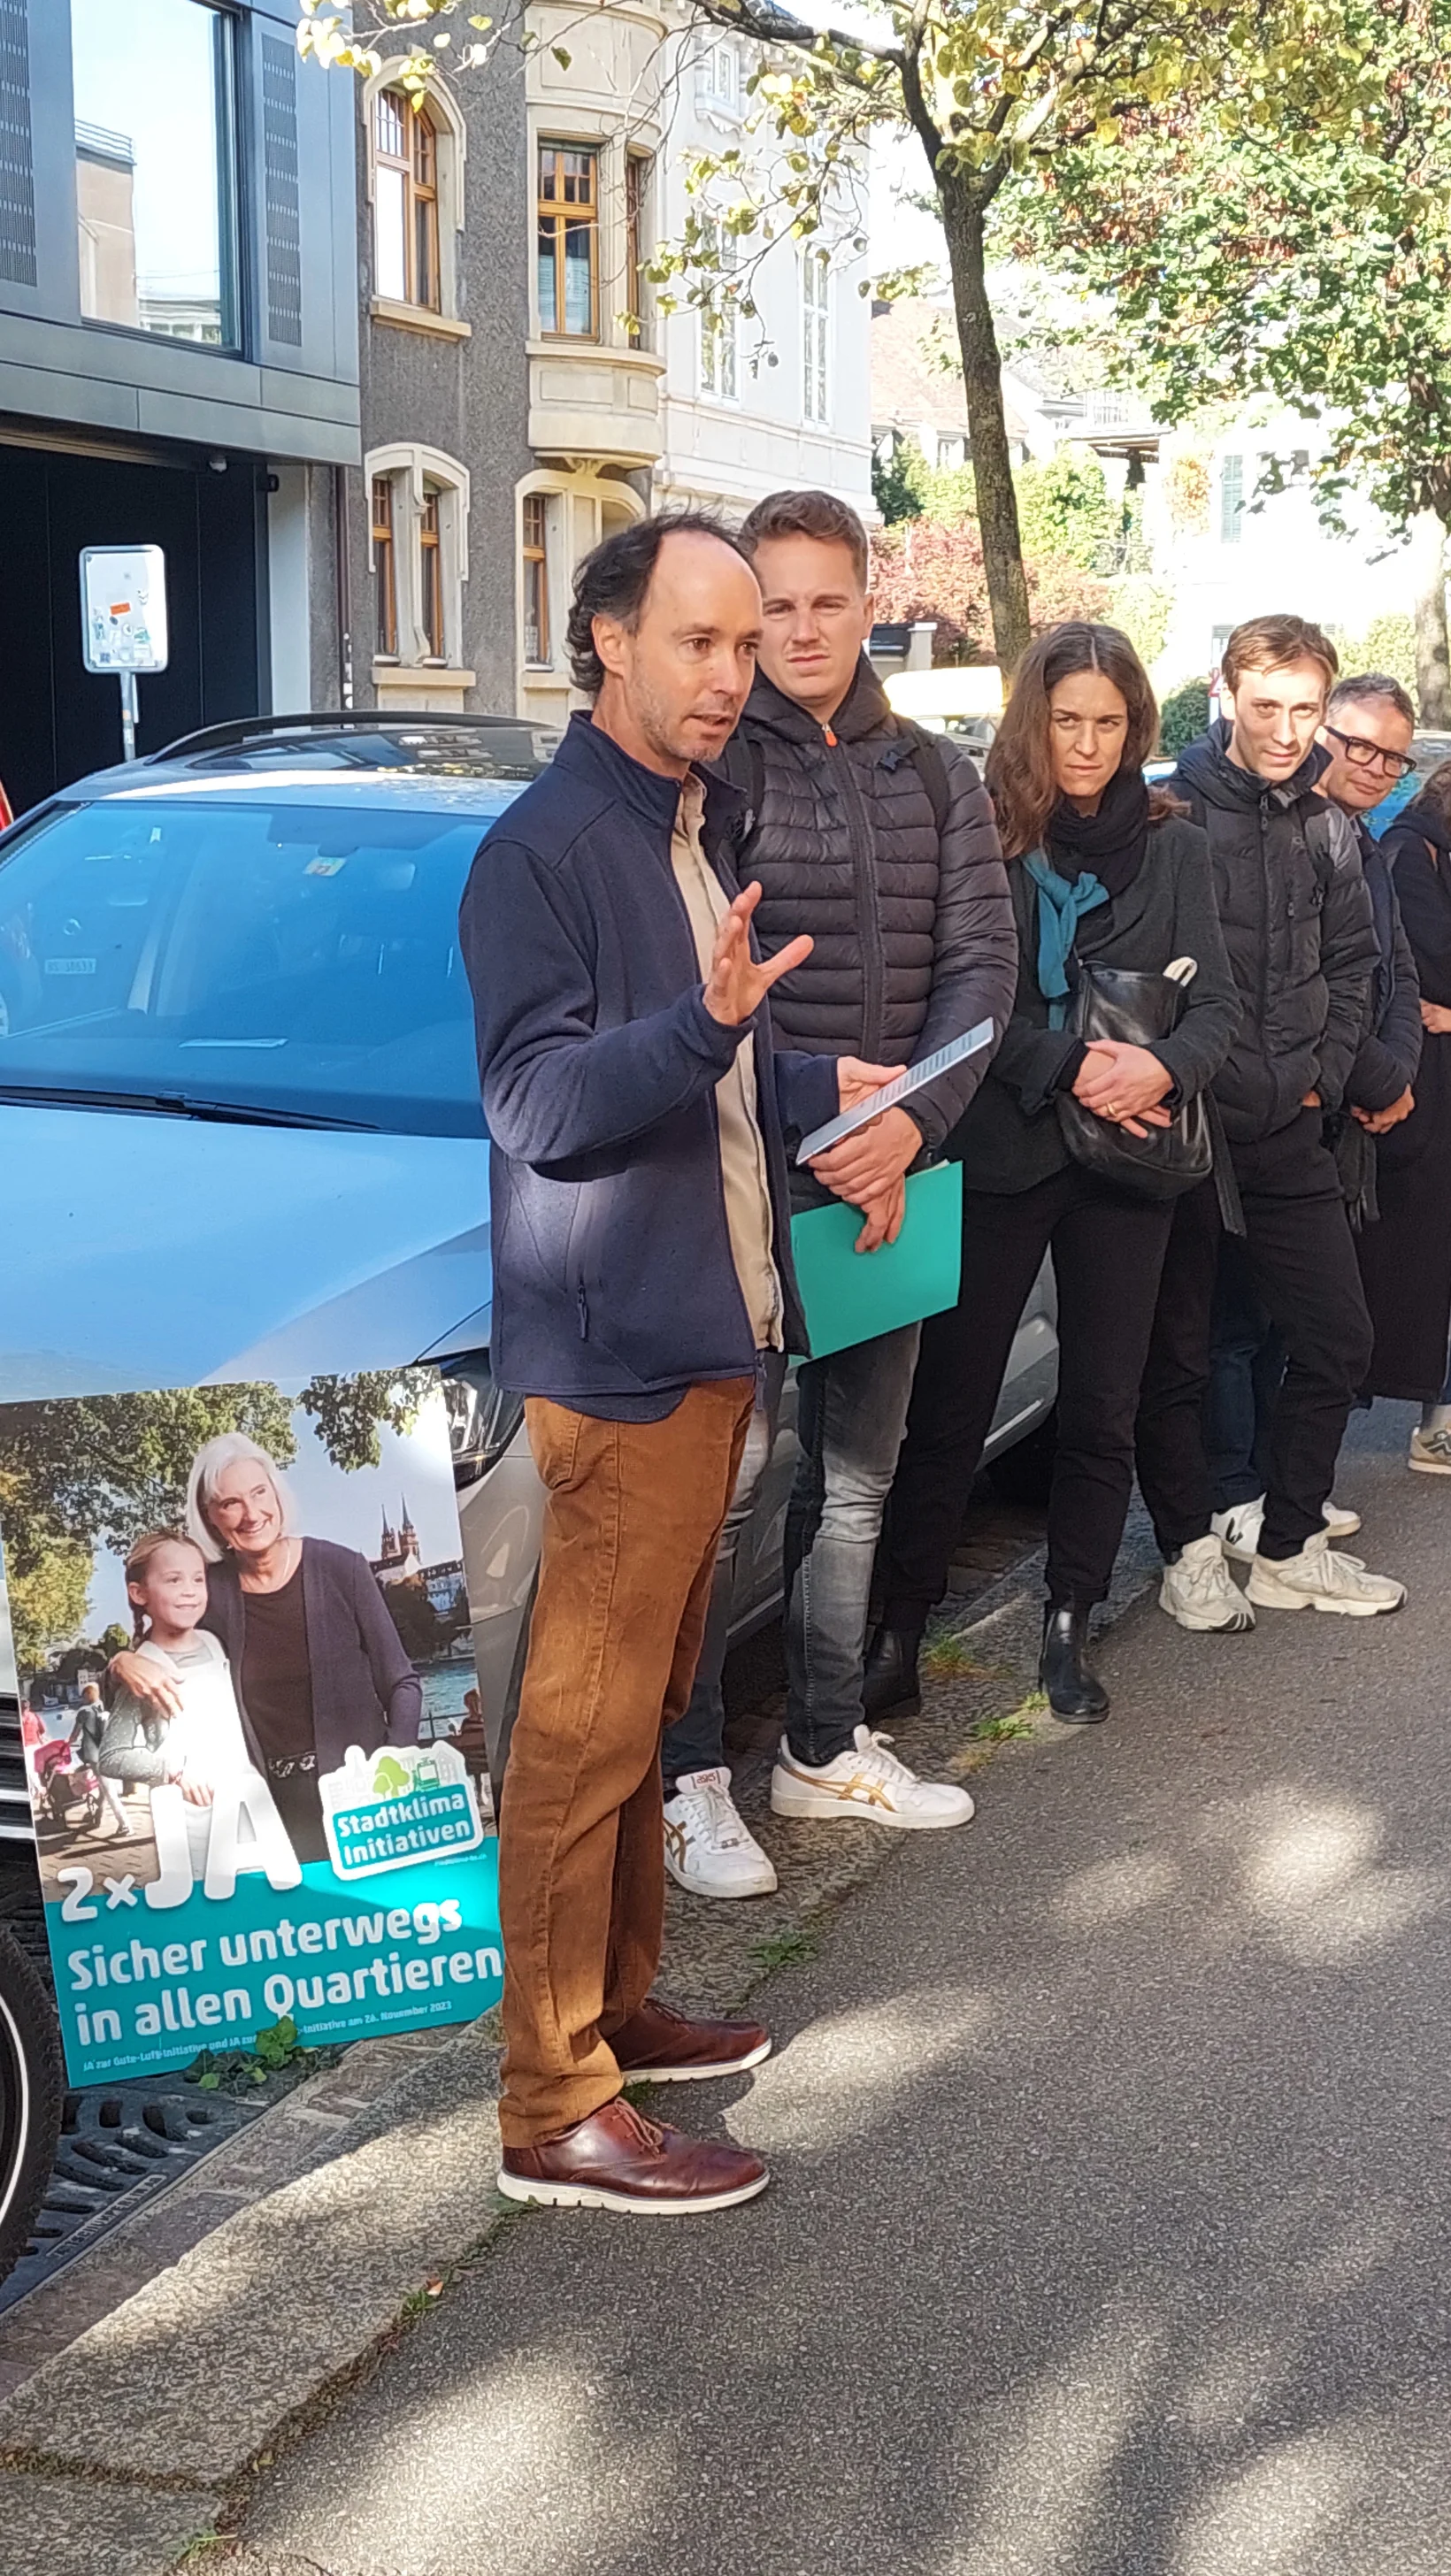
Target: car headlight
[(482, 1420)]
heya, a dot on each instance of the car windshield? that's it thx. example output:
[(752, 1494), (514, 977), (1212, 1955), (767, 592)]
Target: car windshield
[(300, 962)]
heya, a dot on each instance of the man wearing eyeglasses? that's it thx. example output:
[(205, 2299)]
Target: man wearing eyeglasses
[(1368, 730)]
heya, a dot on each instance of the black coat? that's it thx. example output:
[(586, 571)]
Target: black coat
[(1405, 1260), (1297, 925), (1010, 1138), (364, 1689), (913, 933), (1389, 1053)]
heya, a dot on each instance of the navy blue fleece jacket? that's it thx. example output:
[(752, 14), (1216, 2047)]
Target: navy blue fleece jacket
[(614, 1285)]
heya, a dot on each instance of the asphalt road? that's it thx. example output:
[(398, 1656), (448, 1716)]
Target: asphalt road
[(1111, 2230)]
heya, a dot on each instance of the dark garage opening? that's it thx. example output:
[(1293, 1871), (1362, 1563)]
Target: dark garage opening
[(58, 720)]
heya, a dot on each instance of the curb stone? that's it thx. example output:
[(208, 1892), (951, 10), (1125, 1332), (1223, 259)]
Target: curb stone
[(376, 2177)]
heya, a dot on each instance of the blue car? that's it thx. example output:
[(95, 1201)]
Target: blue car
[(239, 1108)]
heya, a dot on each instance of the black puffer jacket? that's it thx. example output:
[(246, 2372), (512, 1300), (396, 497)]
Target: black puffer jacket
[(914, 939), (1297, 924)]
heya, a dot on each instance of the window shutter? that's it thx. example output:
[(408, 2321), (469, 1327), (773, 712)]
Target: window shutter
[(17, 183), (283, 203)]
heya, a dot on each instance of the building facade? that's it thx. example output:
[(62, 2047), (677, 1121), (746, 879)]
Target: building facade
[(178, 356)]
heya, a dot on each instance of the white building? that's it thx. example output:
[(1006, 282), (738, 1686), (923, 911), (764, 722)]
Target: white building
[(630, 407)]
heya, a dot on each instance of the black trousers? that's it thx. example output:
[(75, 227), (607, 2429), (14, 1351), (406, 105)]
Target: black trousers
[(1108, 1250), (1300, 1254)]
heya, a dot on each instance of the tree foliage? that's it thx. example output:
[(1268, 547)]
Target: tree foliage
[(1296, 246), (89, 1472), (1065, 510)]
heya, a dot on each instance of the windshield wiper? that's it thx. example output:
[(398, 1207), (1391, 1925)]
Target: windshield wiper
[(176, 1104)]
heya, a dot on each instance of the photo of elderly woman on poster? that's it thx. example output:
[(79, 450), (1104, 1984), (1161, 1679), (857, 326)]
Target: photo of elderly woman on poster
[(316, 1661)]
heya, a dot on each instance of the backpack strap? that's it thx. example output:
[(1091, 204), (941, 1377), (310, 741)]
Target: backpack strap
[(931, 768), (743, 765), (923, 748)]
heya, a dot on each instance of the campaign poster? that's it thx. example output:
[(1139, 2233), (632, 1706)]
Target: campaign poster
[(250, 1713)]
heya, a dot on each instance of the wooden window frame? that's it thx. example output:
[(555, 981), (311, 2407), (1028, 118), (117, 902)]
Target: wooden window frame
[(432, 615), (534, 549), (385, 568), (557, 215), (413, 153), (639, 171)]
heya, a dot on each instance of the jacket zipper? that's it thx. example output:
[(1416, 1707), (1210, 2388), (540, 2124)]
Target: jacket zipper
[(864, 871)]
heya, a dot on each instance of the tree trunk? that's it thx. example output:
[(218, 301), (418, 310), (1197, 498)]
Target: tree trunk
[(963, 219), (1433, 656)]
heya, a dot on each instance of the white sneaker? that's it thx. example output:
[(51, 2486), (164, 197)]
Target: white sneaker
[(870, 1782), (1430, 1452), (707, 1848), (1239, 1528), (1200, 1592), (1321, 1578)]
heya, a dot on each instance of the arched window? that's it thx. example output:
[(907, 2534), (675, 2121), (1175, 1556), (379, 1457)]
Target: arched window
[(406, 262), (420, 507)]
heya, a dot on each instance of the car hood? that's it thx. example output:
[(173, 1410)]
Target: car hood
[(154, 1251)]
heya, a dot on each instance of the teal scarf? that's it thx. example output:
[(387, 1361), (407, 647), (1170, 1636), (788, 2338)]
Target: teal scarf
[(1062, 902)]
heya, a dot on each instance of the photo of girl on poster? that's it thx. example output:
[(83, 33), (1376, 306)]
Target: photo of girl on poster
[(201, 1748)]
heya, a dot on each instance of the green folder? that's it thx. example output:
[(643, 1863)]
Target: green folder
[(852, 1296)]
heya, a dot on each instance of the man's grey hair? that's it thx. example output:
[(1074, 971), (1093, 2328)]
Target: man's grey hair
[(1369, 684), (208, 1467)]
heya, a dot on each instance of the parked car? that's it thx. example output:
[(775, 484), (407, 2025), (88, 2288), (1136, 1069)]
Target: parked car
[(239, 1109)]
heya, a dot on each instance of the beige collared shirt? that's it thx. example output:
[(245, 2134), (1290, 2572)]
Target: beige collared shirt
[(742, 1150)]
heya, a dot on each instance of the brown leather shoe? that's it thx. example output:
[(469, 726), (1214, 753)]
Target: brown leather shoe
[(617, 2159), (670, 2048)]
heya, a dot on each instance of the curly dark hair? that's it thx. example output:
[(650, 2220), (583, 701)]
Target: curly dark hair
[(1019, 769), (614, 581)]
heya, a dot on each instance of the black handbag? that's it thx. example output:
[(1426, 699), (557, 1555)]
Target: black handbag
[(1138, 1010)]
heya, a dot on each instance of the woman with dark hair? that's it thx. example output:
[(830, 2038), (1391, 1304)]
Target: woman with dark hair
[(1104, 872), (1405, 1259)]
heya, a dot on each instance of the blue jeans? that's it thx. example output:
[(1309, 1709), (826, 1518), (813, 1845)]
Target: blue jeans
[(851, 1415), (696, 1742)]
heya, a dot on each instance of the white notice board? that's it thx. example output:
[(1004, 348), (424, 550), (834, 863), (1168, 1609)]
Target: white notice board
[(123, 608)]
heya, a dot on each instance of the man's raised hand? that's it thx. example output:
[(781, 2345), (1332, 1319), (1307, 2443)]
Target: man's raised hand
[(738, 983)]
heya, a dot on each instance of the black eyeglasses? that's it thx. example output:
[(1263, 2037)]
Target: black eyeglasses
[(1369, 755)]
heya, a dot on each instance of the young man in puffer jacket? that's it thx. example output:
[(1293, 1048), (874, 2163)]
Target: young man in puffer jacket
[(1302, 945), (879, 843)]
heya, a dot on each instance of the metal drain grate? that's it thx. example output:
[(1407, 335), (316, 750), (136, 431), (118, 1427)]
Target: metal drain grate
[(120, 2146)]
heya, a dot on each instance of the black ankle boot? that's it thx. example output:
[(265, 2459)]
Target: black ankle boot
[(1075, 1695), (890, 1687)]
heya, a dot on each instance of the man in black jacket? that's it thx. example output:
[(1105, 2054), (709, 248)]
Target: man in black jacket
[(881, 844), (1297, 923), (1368, 730), (642, 1278)]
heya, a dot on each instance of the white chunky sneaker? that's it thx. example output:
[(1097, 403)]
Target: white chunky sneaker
[(1430, 1452), (1322, 1578), (707, 1848), (1239, 1528), (1200, 1592), (869, 1782)]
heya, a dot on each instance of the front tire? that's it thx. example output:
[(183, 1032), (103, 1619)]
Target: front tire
[(32, 2097)]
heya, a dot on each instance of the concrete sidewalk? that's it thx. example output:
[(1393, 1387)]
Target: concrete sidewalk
[(282, 2264), (1110, 2233)]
